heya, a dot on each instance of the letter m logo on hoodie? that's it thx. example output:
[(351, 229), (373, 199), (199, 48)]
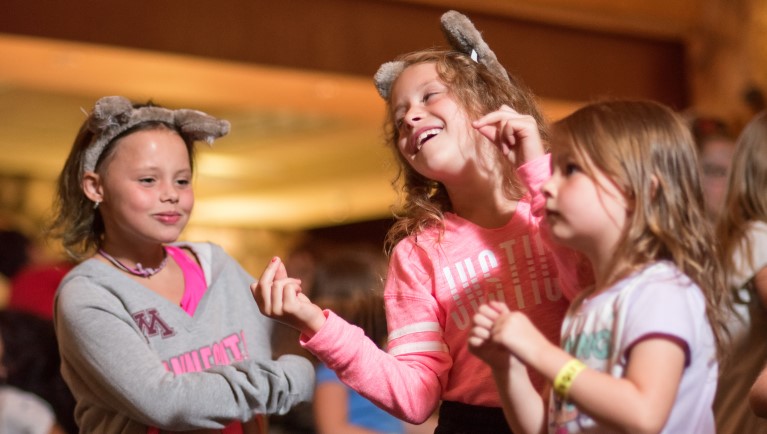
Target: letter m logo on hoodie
[(150, 324)]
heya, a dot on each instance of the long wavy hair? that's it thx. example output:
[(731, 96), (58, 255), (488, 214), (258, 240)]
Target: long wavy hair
[(746, 197), (478, 91), (648, 152), (76, 222)]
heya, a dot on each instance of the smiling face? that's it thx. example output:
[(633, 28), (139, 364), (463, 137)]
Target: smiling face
[(145, 188), (583, 211), (433, 130)]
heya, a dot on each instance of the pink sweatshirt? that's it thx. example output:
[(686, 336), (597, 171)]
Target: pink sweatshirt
[(433, 288)]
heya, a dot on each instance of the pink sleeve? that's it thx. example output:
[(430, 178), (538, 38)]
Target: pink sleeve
[(409, 384), (534, 174), (574, 270)]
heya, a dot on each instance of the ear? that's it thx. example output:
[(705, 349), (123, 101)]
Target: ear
[(92, 187)]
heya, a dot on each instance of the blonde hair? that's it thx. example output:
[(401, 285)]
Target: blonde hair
[(478, 91), (648, 152), (745, 200)]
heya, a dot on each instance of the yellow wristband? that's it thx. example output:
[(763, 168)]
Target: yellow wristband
[(565, 377)]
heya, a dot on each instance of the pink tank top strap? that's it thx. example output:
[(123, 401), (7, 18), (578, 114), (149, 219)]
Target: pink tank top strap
[(194, 279), (233, 428), (194, 289)]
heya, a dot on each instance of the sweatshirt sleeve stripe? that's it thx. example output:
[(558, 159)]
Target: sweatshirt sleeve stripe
[(418, 347), (419, 327)]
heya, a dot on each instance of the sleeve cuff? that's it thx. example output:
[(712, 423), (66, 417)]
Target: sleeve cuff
[(535, 172), (331, 343)]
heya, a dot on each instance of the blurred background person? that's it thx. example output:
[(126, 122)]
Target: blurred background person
[(742, 234), (32, 274), (33, 397), (715, 143)]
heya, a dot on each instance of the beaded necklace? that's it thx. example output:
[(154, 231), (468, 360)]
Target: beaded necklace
[(140, 270)]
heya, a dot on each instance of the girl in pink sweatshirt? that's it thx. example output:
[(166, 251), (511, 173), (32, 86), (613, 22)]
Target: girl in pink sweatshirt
[(469, 232)]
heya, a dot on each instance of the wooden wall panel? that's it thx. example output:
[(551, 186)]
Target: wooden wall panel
[(355, 37)]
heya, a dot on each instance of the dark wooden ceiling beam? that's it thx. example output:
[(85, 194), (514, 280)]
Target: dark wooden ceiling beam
[(355, 37)]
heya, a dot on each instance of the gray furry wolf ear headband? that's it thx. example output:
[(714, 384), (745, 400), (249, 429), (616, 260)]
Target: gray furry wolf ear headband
[(113, 115), (462, 36)]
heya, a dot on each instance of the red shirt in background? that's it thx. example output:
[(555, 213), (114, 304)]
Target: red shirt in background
[(34, 288)]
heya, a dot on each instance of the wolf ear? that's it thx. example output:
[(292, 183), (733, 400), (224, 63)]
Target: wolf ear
[(200, 126), (385, 76), (113, 115), (108, 112), (465, 38), (462, 37)]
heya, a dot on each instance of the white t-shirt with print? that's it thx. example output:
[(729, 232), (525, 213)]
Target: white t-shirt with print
[(656, 301)]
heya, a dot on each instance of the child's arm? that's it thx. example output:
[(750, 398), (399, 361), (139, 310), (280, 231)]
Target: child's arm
[(407, 385), (523, 407), (279, 297), (641, 401)]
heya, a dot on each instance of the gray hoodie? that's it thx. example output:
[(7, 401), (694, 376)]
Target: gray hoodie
[(123, 346)]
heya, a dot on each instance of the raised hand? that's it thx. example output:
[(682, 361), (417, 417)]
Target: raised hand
[(514, 331), (515, 134), (481, 343), (280, 297)]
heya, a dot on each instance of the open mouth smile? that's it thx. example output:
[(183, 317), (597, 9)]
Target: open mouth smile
[(423, 137)]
